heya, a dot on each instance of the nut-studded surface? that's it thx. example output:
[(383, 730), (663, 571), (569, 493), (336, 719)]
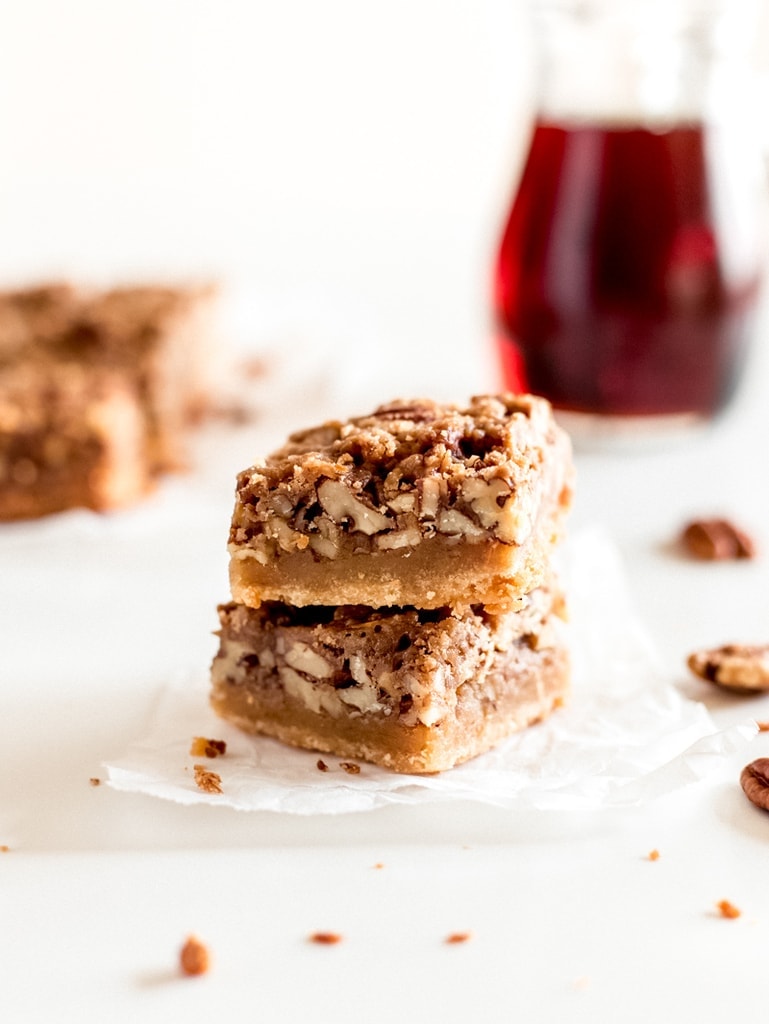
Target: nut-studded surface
[(96, 391), (416, 504), (743, 668), (414, 690)]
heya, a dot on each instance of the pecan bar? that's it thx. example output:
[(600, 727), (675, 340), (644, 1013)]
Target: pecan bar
[(70, 437), (416, 504), (96, 393), (413, 690)]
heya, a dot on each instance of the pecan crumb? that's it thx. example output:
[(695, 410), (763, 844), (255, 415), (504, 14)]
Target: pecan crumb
[(5, 849), (754, 780), (322, 766), (208, 781), (326, 938), (193, 957), (203, 747), (378, 866), (727, 909), (456, 937), (94, 781), (654, 855), (350, 767), (716, 540), (763, 726)]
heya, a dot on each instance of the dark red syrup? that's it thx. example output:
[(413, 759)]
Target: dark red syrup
[(610, 290)]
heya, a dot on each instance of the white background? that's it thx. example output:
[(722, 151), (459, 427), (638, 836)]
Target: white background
[(342, 167)]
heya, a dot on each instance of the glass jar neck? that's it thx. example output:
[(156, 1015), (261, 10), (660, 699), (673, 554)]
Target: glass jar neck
[(637, 61)]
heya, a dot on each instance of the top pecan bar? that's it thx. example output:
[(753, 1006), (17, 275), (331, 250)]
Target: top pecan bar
[(416, 504)]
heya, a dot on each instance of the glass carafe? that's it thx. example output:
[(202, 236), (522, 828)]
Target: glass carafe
[(628, 270)]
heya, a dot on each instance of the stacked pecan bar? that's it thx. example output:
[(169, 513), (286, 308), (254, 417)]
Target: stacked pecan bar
[(96, 392), (392, 591)]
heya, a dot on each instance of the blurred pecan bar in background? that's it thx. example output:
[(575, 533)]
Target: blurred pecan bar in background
[(416, 504), (411, 689), (97, 391)]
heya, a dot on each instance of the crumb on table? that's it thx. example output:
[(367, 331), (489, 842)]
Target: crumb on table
[(325, 938), (193, 957), (727, 909)]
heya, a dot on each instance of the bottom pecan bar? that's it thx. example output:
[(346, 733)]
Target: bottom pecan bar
[(412, 690)]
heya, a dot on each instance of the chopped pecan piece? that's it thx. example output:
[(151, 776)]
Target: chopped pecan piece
[(716, 540), (350, 767), (754, 780), (208, 781), (202, 747), (325, 938), (742, 668), (458, 937)]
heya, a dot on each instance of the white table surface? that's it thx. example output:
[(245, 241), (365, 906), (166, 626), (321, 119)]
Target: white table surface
[(352, 165), (569, 918)]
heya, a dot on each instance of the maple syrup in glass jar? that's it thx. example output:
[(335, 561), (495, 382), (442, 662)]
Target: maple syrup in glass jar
[(627, 274)]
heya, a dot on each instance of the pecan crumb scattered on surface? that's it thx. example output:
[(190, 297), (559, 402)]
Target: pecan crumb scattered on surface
[(4, 848), (458, 937), (741, 668), (326, 938), (203, 747), (763, 726), (322, 766), (378, 866), (350, 767), (727, 909), (754, 780), (716, 540), (654, 855), (206, 780), (94, 781), (193, 957)]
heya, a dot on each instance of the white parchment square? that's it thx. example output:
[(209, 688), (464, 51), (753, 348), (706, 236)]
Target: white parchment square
[(626, 736)]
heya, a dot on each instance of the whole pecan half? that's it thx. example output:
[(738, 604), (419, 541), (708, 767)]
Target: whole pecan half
[(741, 668), (755, 782), (716, 540)]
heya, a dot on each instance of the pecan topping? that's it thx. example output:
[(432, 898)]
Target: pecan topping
[(742, 668), (755, 782), (321, 766), (350, 767), (457, 937), (325, 938), (716, 540)]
